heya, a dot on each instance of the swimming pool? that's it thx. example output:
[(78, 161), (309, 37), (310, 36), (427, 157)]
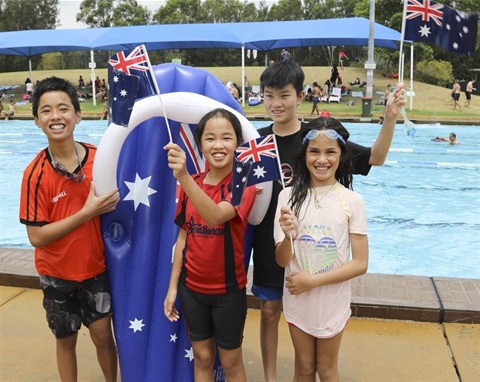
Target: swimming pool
[(423, 205)]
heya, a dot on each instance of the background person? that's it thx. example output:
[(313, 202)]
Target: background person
[(12, 109), (452, 139), (468, 92), (456, 95), (342, 56), (62, 216)]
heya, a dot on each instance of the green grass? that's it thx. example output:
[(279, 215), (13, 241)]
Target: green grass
[(428, 103)]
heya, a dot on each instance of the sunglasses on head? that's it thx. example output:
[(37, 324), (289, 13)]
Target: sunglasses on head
[(331, 134), (62, 171)]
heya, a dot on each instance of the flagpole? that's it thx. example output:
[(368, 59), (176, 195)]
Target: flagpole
[(283, 185), (402, 37), (157, 89)]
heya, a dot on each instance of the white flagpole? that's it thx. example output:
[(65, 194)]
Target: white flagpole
[(157, 89), (402, 37), (284, 195)]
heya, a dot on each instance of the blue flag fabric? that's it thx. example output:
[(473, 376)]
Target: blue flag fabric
[(241, 172), (140, 235), (429, 21), (122, 93), (262, 154)]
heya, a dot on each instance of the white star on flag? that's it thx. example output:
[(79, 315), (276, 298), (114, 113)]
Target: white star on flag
[(136, 325), (189, 354), (173, 337), (259, 172), (139, 191), (123, 93), (424, 31)]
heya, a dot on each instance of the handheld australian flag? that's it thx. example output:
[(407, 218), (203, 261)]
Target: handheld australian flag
[(429, 21), (255, 162), (136, 62)]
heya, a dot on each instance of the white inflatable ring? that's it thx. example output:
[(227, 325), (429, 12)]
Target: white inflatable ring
[(183, 107)]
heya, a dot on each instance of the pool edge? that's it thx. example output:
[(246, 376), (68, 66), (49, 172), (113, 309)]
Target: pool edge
[(383, 296)]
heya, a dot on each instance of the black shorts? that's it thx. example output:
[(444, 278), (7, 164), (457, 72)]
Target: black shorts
[(70, 303), (218, 315), (456, 96), (468, 95)]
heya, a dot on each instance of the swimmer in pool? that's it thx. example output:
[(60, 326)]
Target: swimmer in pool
[(452, 139)]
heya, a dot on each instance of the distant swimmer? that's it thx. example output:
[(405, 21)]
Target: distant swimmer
[(452, 139)]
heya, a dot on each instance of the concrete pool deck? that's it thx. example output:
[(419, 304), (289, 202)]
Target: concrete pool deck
[(404, 328)]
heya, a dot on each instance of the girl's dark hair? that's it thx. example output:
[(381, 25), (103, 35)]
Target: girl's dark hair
[(302, 180), (219, 113), (54, 84)]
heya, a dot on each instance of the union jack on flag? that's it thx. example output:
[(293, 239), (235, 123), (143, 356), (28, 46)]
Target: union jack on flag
[(254, 162), (256, 148), (429, 21), (425, 9), (125, 61)]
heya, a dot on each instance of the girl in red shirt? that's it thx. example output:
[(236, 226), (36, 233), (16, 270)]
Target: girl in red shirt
[(208, 271)]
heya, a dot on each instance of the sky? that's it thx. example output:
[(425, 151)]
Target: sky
[(70, 8)]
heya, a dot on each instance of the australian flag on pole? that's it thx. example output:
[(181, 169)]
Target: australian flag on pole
[(429, 21), (135, 62), (255, 162)]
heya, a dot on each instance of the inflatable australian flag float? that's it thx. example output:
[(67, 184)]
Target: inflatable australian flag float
[(140, 234)]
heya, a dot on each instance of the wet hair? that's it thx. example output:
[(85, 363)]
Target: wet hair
[(452, 134), (219, 113), (54, 84), (281, 74), (302, 180)]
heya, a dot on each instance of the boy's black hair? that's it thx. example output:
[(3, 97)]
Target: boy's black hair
[(281, 74), (301, 183), (54, 84), (219, 113)]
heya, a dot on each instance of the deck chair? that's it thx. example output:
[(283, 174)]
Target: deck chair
[(255, 90), (336, 95), (324, 98)]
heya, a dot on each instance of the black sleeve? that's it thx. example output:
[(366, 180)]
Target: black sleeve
[(360, 158)]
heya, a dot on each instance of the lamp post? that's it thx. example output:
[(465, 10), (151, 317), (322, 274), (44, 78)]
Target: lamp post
[(370, 66)]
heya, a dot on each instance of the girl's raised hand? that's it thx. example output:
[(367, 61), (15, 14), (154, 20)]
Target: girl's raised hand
[(177, 160), (396, 101)]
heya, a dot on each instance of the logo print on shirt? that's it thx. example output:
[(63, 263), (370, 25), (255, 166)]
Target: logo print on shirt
[(288, 174), (199, 229), (60, 195)]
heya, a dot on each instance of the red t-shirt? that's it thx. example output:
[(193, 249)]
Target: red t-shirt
[(47, 197), (213, 257)]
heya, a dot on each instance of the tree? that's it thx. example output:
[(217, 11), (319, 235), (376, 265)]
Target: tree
[(286, 10), (16, 15), (128, 12), (222, 11), (96, 13), (178, 12)]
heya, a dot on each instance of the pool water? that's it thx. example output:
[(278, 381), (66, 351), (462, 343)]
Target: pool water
[(423, 205)]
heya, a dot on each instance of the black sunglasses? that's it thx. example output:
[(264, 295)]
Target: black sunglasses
[(62, 171)]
